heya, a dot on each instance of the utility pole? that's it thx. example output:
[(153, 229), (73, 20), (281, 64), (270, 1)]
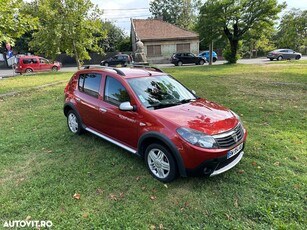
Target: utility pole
[(210, 52)]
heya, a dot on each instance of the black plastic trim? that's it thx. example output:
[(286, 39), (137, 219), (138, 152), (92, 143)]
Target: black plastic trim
[(164, 139)]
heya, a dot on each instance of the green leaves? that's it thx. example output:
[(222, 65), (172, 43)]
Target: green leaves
[(13, 22), (70, 26)]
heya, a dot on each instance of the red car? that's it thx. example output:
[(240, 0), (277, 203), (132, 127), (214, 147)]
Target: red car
[(29, 64), (152, 115)]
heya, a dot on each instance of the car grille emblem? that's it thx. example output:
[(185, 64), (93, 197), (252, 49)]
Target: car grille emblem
[(235, 137)]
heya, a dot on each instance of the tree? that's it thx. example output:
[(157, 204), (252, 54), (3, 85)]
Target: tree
[(234, 18), (70, 26), (292, 31), (14, 23), (178, 12), (114, 37)]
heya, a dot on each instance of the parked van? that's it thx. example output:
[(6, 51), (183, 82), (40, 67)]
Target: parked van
[(29, 64)]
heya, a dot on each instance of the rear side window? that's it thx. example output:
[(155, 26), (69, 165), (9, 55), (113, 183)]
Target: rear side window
[(29, 60), (89, 83), (115, 92)]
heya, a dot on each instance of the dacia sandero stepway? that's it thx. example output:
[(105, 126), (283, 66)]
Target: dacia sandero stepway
[(151, 114)]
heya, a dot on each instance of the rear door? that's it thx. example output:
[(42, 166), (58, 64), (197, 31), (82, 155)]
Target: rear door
[(88, 98)]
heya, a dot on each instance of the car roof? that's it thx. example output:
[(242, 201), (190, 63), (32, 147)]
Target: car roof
[(125, 72), (32, 56)]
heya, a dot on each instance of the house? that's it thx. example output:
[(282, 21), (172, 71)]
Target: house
[(162, 39)]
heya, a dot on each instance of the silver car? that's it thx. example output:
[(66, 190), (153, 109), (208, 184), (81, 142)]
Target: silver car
[(281, 54)]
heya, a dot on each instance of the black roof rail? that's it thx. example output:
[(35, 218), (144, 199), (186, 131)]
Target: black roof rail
[(118, 71), (148, 68)]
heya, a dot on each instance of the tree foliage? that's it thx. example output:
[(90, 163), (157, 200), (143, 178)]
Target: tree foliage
[(114, 36), (13, 22), (70, 26), (234, 18), (292, 31), (182, 13)]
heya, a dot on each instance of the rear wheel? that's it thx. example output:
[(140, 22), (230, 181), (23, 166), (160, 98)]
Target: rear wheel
[(29, 70), (179, 63), (201, 62), (160, 163), (271, 59), (74, 123), (214, 59), (279, 58)]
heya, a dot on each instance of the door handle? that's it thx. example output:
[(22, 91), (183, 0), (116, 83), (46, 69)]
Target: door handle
[(78, 99), (103, 109)]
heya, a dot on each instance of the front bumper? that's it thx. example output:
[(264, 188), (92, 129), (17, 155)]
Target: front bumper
[(216, 166)]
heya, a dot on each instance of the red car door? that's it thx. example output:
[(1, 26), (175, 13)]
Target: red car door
[(88, 98), (119, 125), (44, 64)]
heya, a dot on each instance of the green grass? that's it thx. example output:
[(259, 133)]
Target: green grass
[(43, 165)]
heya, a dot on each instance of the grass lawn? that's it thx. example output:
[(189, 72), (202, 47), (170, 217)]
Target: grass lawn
[(43, 165)]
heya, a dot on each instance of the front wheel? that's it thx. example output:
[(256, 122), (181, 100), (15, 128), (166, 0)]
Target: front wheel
[(297, 57), (271, 59), (74, 123), (214, 59), (55, 69), (29, 70), (160, 163), (179, 63), (201, 62)]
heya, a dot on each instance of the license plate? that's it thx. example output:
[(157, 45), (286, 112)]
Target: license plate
[(234, 151)]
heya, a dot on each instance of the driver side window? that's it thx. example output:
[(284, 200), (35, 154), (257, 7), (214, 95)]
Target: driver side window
[(115, 93)]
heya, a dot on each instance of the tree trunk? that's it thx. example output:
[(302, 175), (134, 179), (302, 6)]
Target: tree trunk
[(77, 56), (234, 48)]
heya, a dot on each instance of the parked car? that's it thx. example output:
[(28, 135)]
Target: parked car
[(29, 64), (179, 59), (205, 54), (281, 54), (120, 59), (151, 114)]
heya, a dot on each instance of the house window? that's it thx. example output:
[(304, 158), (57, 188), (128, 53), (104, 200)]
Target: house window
[(183, 47), (154, 50)]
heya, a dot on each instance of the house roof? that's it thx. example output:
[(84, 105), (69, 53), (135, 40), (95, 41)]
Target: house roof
[(154, 29)]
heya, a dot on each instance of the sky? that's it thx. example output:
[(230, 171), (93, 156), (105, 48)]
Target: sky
[(120, 12)]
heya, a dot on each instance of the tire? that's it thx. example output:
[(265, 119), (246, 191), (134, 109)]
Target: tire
[(297, 57), (214, 59), (54, 69), (280, 58), (29, 70), (271, 59), (74, 123), (201, 62), (160, 163), (179, 63)]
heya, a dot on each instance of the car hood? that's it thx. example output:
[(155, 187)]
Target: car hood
[(201, 115)]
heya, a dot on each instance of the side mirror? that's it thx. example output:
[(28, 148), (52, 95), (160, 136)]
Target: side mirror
[(126, 106)]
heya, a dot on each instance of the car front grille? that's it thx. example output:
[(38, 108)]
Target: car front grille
[(230, 138)]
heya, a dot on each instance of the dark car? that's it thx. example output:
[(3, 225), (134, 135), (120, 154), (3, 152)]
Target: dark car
[(29, 64), (117, 60), (205, 54), (281, 54), (179, 59), (149, 113)]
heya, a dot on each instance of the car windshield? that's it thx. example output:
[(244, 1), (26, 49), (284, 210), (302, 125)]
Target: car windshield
[(160, 91)]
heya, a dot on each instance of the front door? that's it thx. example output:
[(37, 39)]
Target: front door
[(116, 124)]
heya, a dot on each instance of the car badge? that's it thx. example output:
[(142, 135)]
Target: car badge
[(235, 137)]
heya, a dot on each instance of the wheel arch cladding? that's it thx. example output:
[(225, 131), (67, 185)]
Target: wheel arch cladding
[(154, 137)]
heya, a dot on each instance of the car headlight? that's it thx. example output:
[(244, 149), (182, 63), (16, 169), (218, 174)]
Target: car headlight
[(197, 138)]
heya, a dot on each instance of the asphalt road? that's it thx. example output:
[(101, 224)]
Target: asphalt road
[(4, 73)]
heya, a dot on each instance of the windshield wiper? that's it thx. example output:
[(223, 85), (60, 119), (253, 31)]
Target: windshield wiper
[(164, 105)]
